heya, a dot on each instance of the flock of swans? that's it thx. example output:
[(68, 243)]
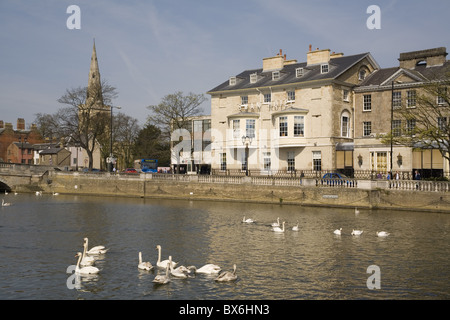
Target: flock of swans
[(280, 227), (38, 194), (87, 258)]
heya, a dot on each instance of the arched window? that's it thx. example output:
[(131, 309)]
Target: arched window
[(345, 124)]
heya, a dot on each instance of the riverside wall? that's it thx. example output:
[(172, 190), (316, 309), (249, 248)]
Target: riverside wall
[(190, 188)]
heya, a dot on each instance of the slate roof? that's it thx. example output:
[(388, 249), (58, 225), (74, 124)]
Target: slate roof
[(337, 66)]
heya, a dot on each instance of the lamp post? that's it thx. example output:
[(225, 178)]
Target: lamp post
[(392, 120), (246, 140), (111, 156)]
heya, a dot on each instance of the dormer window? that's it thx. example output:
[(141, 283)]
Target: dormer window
[(253, 78), (232, 81), (275, 75), (362, 74), (299, 72), (324, 68)]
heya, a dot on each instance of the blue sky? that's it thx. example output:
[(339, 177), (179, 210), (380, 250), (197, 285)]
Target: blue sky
[(148, 49)]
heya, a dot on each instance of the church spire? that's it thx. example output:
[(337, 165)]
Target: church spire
[(94, 91)]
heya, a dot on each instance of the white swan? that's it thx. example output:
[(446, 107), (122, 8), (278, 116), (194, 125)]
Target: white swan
[(84, 270), (247, 220), (179, 272), (207, 269), (5, 204), (337, 231), (227, 275), (95, 250), (85, 259), (383, 234), (276, 224), (164, 263), (278, 229), (55, 193), (356, 211), (295, 228), (356, 232), (144, 265), (163, 278), (39, 193)]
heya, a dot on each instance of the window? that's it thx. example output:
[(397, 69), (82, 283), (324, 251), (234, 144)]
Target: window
[(232, 81), (345, 121), (317, 160), (367, 128), (244, 100), (396, 128), (396, 99), (291, 161), (283, 126), (253, 78), (411, 99), (379, 161), (267, 97), (250, 128), (410, 126), (299, 72), (442, 123), (236, 129), (299, 126), (291, 95), (362, 74), (442, 95), (266, 160), (367, 102), (324, 68), (345, 95), (275, 75), (223, 161)]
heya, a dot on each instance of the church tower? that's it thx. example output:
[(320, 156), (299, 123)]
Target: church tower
[(94, 97)]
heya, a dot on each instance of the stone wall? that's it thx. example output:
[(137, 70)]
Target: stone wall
[(190, 188)]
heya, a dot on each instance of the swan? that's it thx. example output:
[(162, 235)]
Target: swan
[(383, 234), (278, 229), (248, 220), (85, 259), (356, 232), (144, 265), (163, 278), (5, 204), (295, 228), (207, 269), (356, 211), (164, 263), (337, 231), (95, 250), (179, 272), (39, 193), (227, 275), (84, 270), (55, 193), (276, 224)]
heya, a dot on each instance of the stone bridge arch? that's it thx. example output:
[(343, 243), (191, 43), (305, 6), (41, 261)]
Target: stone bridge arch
[(4, 187)]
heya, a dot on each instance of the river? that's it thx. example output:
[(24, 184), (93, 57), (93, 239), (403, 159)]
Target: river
[(40, 235)]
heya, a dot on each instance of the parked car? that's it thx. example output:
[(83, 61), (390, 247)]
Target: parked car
[(130, 170), (334, 175)]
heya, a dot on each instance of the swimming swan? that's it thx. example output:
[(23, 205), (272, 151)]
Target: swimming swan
[(337, 231), (276, 224), (248, 220), (227, 275), (164, 263), (95, 250), (295, 228), (85, 259), (163, 278), (278, 229), (207, 269), (84, 270), (356, 232), (5, 204), (356, 211), (383, 234), (179, 272), (144, 265)]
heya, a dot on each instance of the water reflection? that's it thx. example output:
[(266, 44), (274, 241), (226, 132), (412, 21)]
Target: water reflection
[(40, 236)]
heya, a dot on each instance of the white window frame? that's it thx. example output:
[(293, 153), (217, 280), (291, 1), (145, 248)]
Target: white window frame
[(253, 77), (236, 129), (276, 75), (299, 72), (290, 96), (299, 125), (283, 126), (324, 68), (367, 125), (411, 98), (345, 95), (232, 81), (367, 102)]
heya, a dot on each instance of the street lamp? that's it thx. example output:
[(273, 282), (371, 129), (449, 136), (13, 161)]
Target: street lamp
[(392, 120), (111, 157), (246, 140)]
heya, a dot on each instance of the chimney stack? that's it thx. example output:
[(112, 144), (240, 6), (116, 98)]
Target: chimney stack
[(2, 125), (20, 124)]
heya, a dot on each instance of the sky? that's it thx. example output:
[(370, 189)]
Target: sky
[(149, 49)]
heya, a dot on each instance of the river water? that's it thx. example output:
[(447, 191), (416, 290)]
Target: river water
[(40, 235)]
